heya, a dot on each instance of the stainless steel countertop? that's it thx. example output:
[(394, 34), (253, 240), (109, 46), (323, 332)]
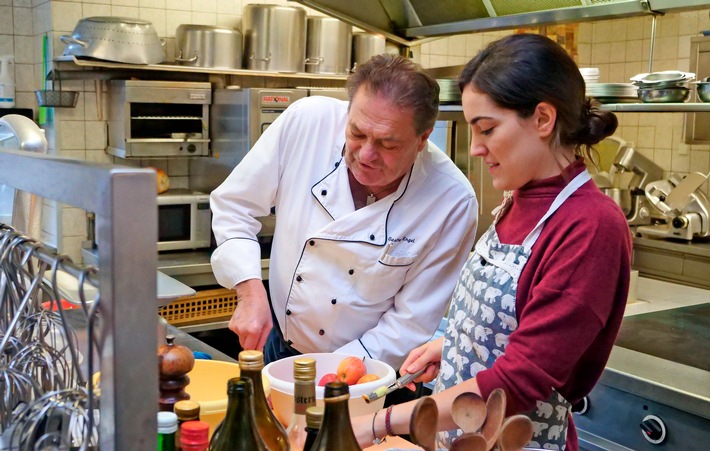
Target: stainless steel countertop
[(698, 247)]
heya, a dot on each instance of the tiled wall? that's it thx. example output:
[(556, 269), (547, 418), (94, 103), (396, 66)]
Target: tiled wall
[(619, 48)]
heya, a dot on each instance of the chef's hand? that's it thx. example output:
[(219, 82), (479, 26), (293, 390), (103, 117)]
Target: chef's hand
[(251, 320), (427, 354)]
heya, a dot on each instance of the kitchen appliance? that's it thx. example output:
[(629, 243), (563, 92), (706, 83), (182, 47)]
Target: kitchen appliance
[(158, 119), (328, 46), (274, 37), (208, 46), (184, 220), (654, 393), (632, 171), (120, 39), (685, 208)]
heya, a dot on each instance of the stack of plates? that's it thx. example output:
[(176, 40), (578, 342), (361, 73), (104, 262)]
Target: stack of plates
[(590, 74), (666, 86), (449, 92), (612, 92)]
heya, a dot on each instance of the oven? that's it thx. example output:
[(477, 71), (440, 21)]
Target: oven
[(158, 119), (184, 220), (655, 391)]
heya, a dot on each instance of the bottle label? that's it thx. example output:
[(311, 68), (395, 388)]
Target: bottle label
[(304, 396)]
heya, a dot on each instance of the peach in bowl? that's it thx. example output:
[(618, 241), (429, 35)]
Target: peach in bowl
[(280, 376)]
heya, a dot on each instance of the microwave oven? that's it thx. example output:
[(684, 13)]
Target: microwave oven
[(184, 220)]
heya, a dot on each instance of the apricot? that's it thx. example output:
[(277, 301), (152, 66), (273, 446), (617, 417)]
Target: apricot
[(369, 377)]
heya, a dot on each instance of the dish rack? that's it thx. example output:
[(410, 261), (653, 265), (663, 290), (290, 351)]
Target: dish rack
[(119, 330), (213, 305)]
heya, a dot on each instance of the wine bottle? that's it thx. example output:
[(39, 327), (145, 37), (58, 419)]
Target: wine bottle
[(336, 432), (185, 410), (167, 426), (238, 431), (314, 418), (194, 435), (304, 396), (250, 365)]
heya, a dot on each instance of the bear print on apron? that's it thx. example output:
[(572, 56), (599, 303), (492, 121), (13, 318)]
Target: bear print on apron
[(482, 316)]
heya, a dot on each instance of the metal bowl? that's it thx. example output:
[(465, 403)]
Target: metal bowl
[(703, 91), (667, 95)]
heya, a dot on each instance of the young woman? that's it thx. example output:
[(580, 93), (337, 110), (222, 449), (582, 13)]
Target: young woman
[(540, 301)]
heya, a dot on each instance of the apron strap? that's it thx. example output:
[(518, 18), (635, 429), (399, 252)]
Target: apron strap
[(582, 178)]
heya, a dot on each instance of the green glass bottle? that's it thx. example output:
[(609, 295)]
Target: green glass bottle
[(336, 432), (314, 418), (250, 365), (304, 396), (238, 430), (167, 426)]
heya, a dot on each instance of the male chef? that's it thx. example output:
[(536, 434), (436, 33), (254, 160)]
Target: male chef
[(373, 222)]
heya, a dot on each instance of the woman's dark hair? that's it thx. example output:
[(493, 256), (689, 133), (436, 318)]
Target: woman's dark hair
[(522, 70), (403, 82)]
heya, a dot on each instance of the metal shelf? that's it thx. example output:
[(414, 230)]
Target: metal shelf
[(656, 107)]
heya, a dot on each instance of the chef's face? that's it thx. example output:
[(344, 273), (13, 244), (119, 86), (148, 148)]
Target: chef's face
[(516, 150), (381, 143)]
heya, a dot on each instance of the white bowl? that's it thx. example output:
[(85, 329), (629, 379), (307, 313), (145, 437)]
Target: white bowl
[(280, 376)]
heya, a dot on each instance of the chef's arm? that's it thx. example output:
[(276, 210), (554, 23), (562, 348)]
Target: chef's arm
[(422, 301)]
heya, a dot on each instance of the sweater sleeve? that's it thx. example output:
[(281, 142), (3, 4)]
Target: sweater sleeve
[(570, 301)]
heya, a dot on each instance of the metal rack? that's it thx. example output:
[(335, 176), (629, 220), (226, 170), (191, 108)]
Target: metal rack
[(124, 202)]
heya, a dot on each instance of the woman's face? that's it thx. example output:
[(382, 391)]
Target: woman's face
[(515, 150)]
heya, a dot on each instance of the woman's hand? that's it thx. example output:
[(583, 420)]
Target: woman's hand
[(426, 354)]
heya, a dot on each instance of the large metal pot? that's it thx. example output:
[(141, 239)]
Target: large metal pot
[(365, 46), (122, 39), (328, 46), (274, 38), (208, 46)]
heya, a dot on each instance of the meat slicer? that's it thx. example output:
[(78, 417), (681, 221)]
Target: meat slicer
[(686, 209)]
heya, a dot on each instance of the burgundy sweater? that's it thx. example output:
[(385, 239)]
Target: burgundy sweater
[(571, 294)]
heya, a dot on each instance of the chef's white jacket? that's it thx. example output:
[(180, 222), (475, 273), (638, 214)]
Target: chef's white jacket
[(374, 281)]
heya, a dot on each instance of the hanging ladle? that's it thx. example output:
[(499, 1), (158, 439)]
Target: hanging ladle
[(423, 423), (495, 414), (468, 412), (515, 433)]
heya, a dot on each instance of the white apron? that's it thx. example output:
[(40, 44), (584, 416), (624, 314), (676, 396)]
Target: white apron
[(482, 316)]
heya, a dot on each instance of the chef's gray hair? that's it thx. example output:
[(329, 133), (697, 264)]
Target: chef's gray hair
[(403, 82)]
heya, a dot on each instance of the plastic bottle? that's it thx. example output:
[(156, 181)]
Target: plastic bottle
[(250, 365), (167, 426), (314, 418), (7, 83), (336, 432), (194, 435), (238, 431), (185, 410), (304, 396)]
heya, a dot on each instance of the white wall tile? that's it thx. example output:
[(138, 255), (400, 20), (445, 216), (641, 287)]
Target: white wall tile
[(204, 6), (74, 221), (6, 20), (42, 18), (125, 2), (229, 7), (175, 18), (22, 21), (96, 138), (204, 18), (125, 11), (156, 17), (96, 9), (180, 5), (65, 15), (71, 135), (156, 4)]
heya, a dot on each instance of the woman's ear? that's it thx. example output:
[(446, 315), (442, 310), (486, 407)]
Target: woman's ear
[(545, 117)]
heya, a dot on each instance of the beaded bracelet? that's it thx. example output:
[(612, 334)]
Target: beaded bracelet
[(388, 421), (375, 440)]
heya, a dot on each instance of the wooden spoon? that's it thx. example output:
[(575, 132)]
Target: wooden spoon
[(469, 441), (468, 412), (495, 414), (515, 433), (423, 423)]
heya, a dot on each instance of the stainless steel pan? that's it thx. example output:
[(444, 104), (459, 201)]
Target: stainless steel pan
[(208, 46), (121, 39)]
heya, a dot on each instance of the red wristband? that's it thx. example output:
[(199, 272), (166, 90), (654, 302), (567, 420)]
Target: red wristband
[(388, 421)]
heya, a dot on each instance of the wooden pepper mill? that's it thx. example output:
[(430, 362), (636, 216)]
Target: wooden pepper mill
[(174, 362)]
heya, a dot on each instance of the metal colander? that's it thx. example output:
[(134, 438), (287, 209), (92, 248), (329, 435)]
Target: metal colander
[(56, 98)]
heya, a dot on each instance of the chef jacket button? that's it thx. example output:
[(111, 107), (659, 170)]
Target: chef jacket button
[(299, 278), (321, 332), (351, 272), (312, 242), (337, 163), (324, 192), (483, 261), (372, 237), (289, 342), (333, 301), (288, 312)]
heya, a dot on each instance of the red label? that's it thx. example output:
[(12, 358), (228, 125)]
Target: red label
[(275, 99)]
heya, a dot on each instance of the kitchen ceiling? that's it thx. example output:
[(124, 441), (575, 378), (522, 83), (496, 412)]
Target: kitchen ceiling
[(408, 21)]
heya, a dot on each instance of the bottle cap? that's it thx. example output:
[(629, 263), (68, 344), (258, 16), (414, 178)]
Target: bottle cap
[(187, 410), (314, 417), (194, 433), (167, 422), (304, 369), (251, 360), (336, 391)]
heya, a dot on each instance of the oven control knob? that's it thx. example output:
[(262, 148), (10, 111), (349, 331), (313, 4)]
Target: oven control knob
[(581, 407), (191, 148), (654, 429)]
